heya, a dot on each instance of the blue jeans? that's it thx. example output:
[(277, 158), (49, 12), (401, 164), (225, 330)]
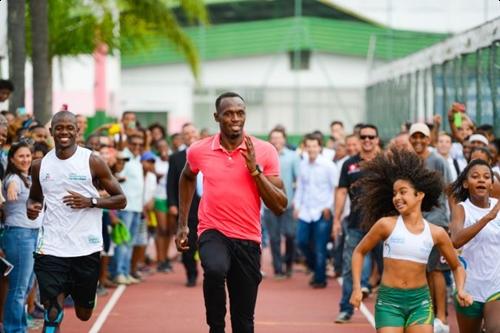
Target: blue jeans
[(123, 253), (277, 226), (312, 239), (352, 239), (18, 245)]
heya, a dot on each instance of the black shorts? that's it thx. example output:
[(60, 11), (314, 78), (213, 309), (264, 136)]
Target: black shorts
[(436, 261), (75, 276)]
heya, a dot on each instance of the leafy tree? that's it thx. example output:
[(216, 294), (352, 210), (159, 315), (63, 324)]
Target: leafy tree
[(77, 27)]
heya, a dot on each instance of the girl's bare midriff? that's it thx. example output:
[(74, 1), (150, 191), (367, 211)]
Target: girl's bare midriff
[(404, 274)]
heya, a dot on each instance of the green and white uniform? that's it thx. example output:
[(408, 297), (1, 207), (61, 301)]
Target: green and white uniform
[(480, 258), (405, 307)]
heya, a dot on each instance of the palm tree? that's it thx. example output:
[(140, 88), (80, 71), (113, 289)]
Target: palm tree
[(77, 27), (17, 52), (42, 69)]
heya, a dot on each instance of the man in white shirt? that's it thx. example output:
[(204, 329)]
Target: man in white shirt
[(313, 207)]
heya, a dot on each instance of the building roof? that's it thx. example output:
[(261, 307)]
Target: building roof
[(271, 36)]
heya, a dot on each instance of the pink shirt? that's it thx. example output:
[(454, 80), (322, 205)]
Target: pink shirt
[(230, 202)]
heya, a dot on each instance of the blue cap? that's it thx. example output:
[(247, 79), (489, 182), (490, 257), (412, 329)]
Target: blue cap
[(148, 156)]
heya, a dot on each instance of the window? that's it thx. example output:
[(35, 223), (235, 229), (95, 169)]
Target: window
[(299, 60)]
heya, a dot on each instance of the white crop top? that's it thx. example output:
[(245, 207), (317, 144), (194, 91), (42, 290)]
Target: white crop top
[(404, 245)]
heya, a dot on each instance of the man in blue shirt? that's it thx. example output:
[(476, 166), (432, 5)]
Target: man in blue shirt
[(283, 224)]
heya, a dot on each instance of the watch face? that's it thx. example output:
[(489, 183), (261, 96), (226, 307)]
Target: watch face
[(94, 201)]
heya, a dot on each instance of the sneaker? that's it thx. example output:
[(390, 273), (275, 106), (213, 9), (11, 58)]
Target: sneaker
[(132, 280), (164, 267), (38, 312), (101, 291), (122, 279), (289, 271), (279, 276), (136, 275), (365, 291), (440, 327), (191, 282), (343, 317), (319, 285)]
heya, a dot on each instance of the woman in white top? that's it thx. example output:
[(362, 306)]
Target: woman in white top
[(20, 236), (396, 189), (475, 228)]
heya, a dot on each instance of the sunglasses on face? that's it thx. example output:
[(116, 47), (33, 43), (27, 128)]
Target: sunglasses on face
[(364, 137)]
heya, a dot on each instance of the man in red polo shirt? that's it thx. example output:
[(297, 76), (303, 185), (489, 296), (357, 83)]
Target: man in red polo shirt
[(238, 171)]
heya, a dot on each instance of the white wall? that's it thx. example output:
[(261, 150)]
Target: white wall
[(332, 80)]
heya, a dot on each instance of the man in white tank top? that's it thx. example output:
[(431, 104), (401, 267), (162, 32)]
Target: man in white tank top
[(70, 241)]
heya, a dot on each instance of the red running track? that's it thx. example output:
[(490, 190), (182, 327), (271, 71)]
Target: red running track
[(161, 303)]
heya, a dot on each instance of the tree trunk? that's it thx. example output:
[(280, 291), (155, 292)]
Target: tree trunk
[(42, 82), (17, 51)]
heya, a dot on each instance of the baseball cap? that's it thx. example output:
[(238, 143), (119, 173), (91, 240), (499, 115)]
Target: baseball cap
[(121, 156), (148, 156), (480, 138), (420, 128)]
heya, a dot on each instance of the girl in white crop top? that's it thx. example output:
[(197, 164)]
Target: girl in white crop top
[(475, 229), (396, 189)]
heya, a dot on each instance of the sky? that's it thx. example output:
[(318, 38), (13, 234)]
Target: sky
[(450, 16)]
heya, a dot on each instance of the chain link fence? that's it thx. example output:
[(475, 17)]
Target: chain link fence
[(464, 68)]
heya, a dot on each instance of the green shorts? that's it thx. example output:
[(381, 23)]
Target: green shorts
[(477, 308), (403, 307), (161, 205)]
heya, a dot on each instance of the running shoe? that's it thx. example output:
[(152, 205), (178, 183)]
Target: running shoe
[(365, 291), (101, 291), (440, 327), (132, 280), (121, 279), (343, 317)]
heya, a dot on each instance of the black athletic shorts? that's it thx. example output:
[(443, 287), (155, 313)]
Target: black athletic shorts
[(75, 276)]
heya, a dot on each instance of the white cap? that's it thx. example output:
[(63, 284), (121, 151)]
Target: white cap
[(480, 138), (420, 128)]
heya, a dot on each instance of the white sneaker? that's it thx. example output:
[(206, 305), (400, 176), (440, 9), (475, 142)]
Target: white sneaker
[(440, 327), (132, 280), (121, 279)]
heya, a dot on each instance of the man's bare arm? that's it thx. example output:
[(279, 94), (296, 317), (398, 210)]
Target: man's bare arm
[(101, 172), (187, 186), (271, 190)]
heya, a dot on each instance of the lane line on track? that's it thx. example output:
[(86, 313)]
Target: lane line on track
[(364, 310), (107, 309)]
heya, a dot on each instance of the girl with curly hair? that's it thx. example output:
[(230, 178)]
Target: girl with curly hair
[(396, 189), (475, 228)]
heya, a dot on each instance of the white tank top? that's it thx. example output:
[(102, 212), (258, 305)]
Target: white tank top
[(404, 245), (481, 253), (68, 232)]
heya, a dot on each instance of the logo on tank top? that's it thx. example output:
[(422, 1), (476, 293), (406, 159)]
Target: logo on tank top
[(46, 177), (397, 240), (76, 177), (94, 240)]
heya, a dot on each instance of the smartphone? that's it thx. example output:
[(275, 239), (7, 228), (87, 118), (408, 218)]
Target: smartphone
[(21, 111), (5, 267), (457, 119)]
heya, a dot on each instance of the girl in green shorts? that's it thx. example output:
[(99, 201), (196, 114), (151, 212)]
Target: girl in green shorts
[(475, 228), (396, 189)]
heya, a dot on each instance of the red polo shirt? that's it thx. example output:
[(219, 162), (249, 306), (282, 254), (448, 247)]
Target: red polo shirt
[(230, 202)]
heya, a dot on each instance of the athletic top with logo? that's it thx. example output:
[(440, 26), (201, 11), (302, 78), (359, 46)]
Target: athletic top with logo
[(480, 254), (68, 232), (405, 245)]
